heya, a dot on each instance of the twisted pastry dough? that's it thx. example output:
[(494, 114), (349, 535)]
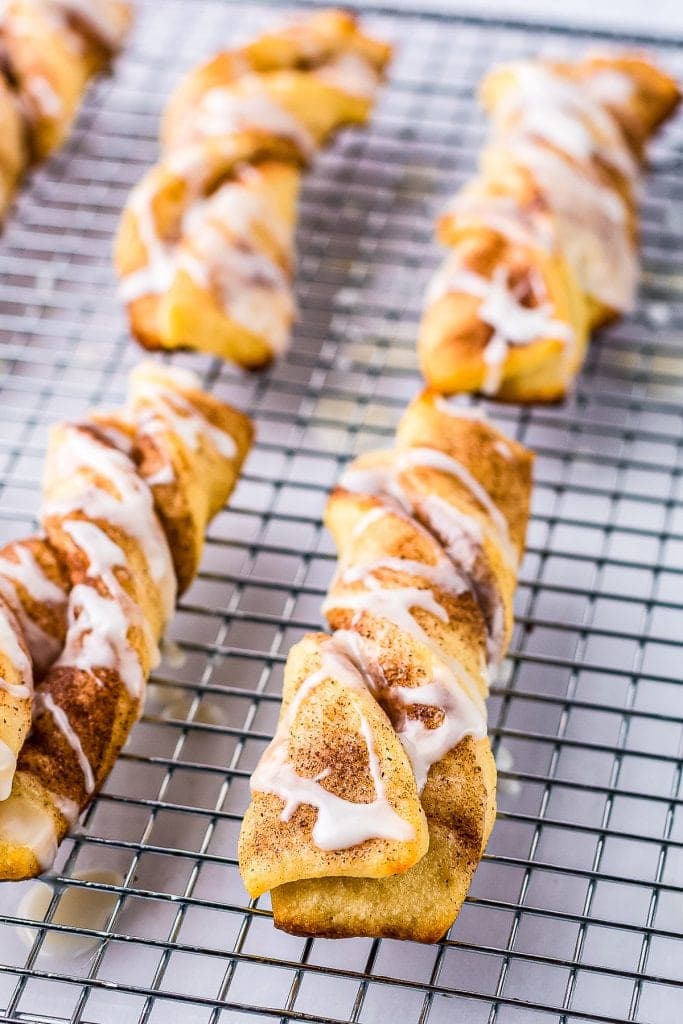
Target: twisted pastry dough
[(543, 243), (127, 498), (49, 51), (207, 237), (33, 611), (372, 806)]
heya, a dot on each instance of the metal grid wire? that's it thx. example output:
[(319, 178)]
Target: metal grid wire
[(575, 912)]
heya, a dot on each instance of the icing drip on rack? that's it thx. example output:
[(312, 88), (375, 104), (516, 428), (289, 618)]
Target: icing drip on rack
[(81, 908)]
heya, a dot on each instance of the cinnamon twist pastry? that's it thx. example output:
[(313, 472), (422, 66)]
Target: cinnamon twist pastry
[(127, 498), (543, 243), (49, 52), (16, 694), (373, 804), (207, 236), (33, 607)]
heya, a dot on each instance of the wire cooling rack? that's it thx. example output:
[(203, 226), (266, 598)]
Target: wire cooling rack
[(575, 913)]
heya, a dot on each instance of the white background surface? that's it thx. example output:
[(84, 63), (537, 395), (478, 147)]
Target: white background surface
[(662, 17)]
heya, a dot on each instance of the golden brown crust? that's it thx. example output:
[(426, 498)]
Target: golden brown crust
[(195, 482), (324, 739), (415, 603), (34, 582), (16, 685), (220, 278), (654, 98), (420, 905), (285, 62), (101, 712), (165, 200), (14, 155), (47, 57), (52, 55), (104, 541), (503, 466), (549, 211)]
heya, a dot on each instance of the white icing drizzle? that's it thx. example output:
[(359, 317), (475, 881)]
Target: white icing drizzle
[(25, 824), (67, 808), (392, 603), (592, 220), (505, 215), (12, 648), (340, 823), (168, 409), (157, 275), (350, 73), (8, 764), (462, 715), (224, 111), (164, 475), (373, 515), (383, 480), (562, 112), (43, 647), (511, 322), (609, 86), (102, 552), (251, 286), (504, 449), (79, 907), (396, 605), (242, 205), (98, 625), (132, 510), (44, 96), (43, 701), (218, 253), (116, 436), (453, 407), (98, 636), (462, 539), (28, 572), (461, 536)]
